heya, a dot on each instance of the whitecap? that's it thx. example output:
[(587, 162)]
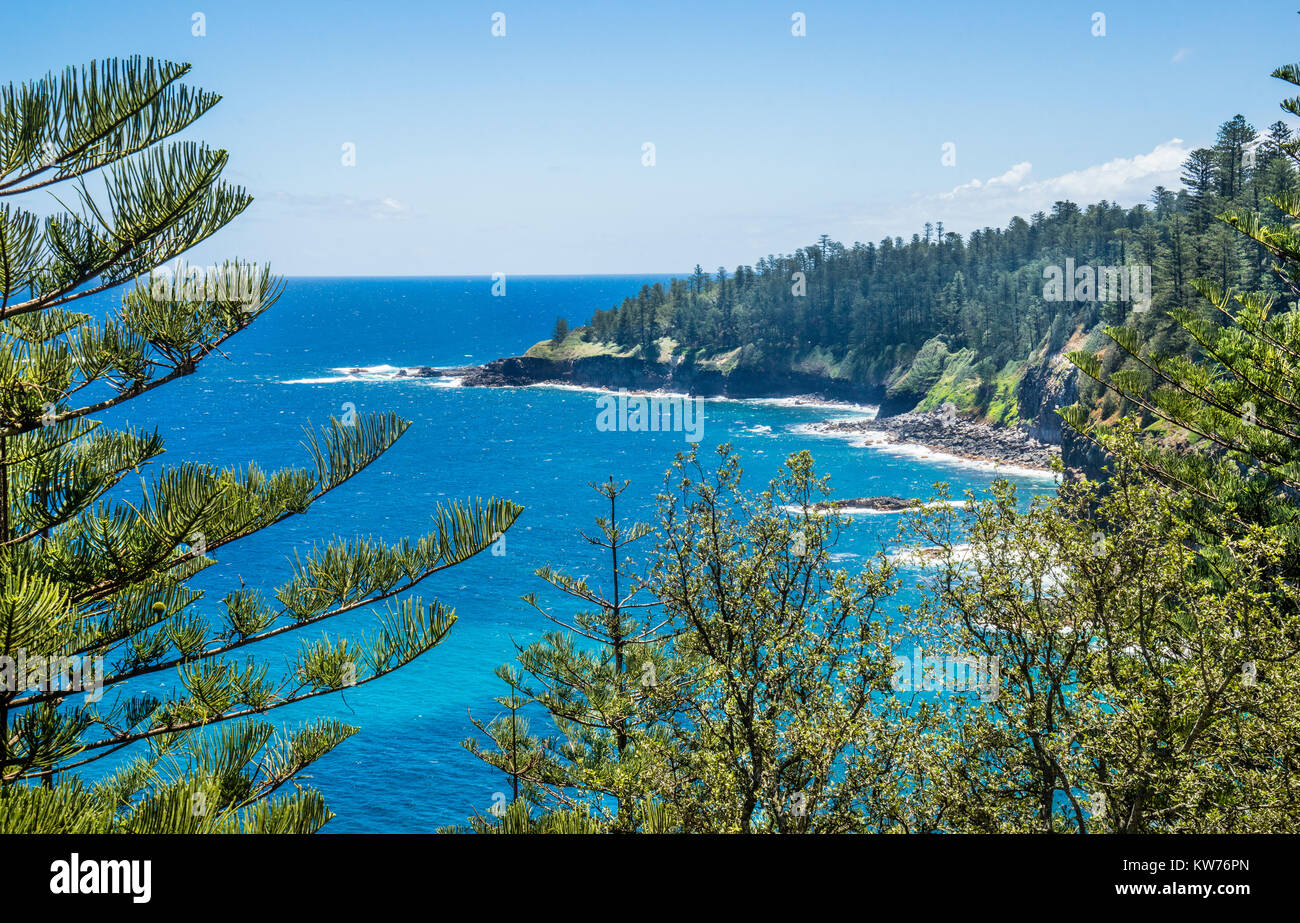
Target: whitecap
[(872, 511), (380, 373), (928, 556), (855, 411)]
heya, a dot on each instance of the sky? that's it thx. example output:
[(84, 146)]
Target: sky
[(525, 153)]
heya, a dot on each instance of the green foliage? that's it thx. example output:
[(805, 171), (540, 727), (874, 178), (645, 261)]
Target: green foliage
[(959, 383), (792, 655), (926, 368), (95, 573), (1140, 682), (749, 696), (607, 679), (1004, 408), (1139, 690), (1237, 396)]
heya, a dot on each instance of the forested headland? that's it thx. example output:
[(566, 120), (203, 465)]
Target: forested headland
[(970, 320)]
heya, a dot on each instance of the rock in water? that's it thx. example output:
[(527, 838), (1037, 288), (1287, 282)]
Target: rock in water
[(887, 504)]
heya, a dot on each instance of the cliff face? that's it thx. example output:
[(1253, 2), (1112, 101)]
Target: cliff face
[(1043, 390), (637, 374)]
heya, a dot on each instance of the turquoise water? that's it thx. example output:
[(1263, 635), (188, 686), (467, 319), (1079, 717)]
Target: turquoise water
[(406, 770)]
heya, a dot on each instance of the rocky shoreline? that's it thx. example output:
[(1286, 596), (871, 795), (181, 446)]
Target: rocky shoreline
[(947, 433)]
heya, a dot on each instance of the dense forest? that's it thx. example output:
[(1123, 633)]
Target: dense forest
[(903, 311)]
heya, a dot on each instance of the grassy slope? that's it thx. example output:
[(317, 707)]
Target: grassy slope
[(575, 347)]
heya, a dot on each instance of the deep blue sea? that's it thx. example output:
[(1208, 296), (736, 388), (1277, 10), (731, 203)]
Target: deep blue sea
[(406, 771)]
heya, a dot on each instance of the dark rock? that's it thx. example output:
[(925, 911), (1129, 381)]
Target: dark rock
[(895, 404), (870, 503), (1043, 391)]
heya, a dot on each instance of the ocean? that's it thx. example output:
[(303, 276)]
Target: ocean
[(407, 771)]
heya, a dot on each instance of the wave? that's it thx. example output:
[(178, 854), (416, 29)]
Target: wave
[(844, 410), (856, 411), (872, 511), (592, 389), (1049, 580), (380, 373), (852, 411), (926, 557), (383, 371)]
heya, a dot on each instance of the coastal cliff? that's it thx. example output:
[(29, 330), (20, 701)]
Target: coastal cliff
[(636, 374), (1043, 390), (1031, 433)]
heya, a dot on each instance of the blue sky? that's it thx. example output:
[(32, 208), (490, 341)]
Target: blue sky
[(523, 154)]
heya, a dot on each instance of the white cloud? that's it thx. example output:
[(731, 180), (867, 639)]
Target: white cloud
[(1180, 56), (994, 201), (1011, 178), (1126, 180), (1123, 177)]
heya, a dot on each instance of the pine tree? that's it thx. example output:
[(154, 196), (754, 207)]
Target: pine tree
[(608, 680), (1238, 402), (97, 571), (1230, 166), (561, 332), (1198, 177), (518, 753)]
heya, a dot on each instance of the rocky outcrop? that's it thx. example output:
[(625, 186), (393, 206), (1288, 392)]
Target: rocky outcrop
[(894, 404), (1084, 458), (883, 504), (1043, 390), (635, 374)]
